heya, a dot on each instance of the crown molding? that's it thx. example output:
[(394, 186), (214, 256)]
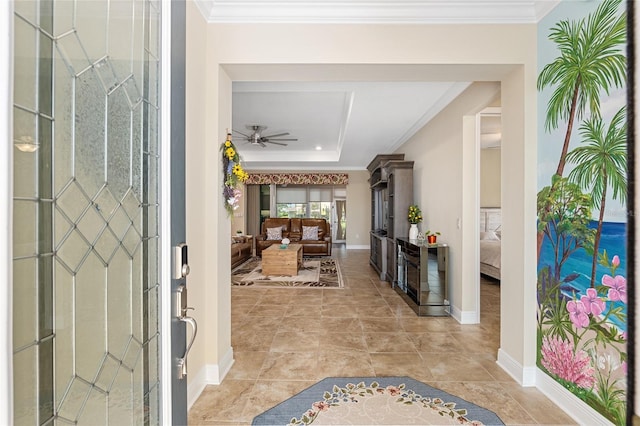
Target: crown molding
[(376, 11)]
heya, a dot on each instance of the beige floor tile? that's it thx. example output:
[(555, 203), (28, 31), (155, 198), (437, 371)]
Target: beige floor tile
[(290, 366), (285, 340), (300, 307), (435, 342), (401, 364), (268, 310), (344, 364), (343, 342), (222, 403), (339, 311), (295, 341), (446, 366), (490, 396), (342, 325), (537, 405), (246, 365), (300, 324), (375, 311), (389, 342), (269, 393), (252, 341), (380, 325)]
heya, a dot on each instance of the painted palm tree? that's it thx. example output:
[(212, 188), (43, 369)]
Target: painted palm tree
[(591, 59), (601, 162)]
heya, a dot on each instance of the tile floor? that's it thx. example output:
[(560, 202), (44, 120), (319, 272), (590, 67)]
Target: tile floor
[(285, 340)]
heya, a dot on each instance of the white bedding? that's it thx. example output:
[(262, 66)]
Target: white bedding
[(490, 252), (490, 241)]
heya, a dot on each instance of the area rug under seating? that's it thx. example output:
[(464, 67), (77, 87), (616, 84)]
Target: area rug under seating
[(375, 401), (323, 272)]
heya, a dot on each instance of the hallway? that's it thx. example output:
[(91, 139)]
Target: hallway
[(285, 340)]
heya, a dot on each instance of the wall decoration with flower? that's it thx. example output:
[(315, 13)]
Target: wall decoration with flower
[(582, 213), (234, 175)]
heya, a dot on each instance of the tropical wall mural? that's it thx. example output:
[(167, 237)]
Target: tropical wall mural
[(582, 184)]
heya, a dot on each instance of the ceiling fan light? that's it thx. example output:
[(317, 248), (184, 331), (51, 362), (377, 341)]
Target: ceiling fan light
[(318, 148)]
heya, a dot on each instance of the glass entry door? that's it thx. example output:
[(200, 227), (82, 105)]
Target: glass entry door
[(339, 225), (86, 285)]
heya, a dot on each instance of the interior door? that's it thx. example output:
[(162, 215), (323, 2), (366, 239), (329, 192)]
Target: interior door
[(88, 209)]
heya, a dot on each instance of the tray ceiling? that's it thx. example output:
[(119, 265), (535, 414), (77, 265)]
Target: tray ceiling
[(339, 125)]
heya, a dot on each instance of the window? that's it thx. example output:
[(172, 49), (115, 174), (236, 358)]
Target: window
[(304, 201), (291, 201)]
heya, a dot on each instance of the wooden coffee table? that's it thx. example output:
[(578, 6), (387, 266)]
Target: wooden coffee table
[(279, 261)]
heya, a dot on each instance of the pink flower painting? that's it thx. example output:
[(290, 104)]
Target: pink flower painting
[(592, 303), (617, 287), (578, 313), (559, 358)]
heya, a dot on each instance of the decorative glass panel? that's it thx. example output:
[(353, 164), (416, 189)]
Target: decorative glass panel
[(25, 329), (24, 91), (86, 328)]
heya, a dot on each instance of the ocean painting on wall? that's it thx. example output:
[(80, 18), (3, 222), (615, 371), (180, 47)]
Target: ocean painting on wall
[(581, 202)]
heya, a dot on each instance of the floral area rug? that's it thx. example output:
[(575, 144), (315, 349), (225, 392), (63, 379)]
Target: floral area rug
[(321, 272), (375, 401)]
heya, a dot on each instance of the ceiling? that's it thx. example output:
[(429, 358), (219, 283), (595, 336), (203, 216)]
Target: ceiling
[(342, 125)]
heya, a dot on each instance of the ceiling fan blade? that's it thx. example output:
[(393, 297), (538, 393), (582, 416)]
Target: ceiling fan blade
[(280, 139), (262, 144), (276, 143), (240, 133), (275, 136)]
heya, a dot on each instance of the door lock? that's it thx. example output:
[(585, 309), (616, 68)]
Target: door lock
[(180, 262)]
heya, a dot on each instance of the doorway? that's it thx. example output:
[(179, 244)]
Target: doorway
[(489, 214), (339, 220)]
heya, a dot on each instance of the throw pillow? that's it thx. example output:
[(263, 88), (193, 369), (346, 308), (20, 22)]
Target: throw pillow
[(309, 232), (274, 233)]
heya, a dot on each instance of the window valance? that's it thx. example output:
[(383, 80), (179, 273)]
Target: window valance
[(298, 178)]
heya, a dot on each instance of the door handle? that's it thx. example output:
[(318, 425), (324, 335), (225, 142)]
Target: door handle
[(181, 313), (182, 362)]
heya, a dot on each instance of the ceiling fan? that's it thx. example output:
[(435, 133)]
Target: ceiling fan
[(258, 138)]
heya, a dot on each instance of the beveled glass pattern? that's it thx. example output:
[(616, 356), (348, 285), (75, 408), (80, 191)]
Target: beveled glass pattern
[(86, 213)]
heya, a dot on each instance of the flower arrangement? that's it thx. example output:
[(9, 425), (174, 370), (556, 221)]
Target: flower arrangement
[(234, 175), (415, 215)]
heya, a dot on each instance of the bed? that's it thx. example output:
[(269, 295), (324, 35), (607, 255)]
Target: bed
[(490, 241)]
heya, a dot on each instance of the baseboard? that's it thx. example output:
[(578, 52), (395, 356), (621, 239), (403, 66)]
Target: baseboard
[(464, 317), (209, 374), (572, 405), (525, 376), (357, 247)]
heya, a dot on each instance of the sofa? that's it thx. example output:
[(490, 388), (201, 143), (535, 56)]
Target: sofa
[(313, 234), (241, 249)]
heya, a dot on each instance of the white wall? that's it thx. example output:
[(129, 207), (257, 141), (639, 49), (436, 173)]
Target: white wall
[(395, 53), (519, 215), (437, 151), (208, 228), (358, 210), (490, 177)]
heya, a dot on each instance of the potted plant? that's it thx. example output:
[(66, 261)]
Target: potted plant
[(431, 236), (415, 217)]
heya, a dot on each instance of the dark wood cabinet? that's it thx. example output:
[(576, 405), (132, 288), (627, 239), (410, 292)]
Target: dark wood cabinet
[(391, 183)]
